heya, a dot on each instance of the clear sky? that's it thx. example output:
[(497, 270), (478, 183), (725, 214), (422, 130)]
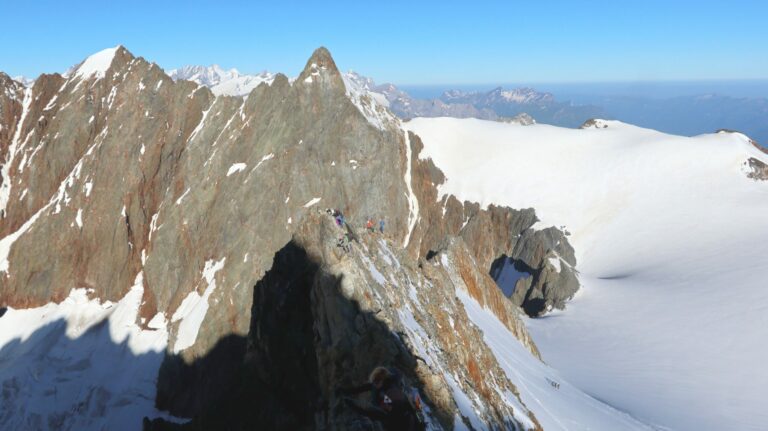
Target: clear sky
[(409, 42)]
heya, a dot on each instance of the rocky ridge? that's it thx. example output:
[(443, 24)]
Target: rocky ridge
[(372, 305), (118, 173)]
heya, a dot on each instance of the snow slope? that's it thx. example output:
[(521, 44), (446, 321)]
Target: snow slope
[(557, 404), (80, 356), (672, 245)]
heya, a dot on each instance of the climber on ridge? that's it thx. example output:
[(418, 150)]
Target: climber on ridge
[(345, 242), (369, 225), (339, 218), (390, 404)]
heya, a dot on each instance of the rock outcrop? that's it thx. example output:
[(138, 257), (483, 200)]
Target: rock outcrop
[(594, 123), (756, 169), (522, 119), (752, 167)]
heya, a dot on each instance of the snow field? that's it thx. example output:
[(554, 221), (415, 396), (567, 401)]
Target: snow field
[(671, 242)]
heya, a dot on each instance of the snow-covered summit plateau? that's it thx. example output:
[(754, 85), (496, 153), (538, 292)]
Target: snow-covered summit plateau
[(671, 238)]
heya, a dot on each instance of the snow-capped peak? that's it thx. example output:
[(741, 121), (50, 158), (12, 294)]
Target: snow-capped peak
[(222, 82), (361, 81), (204, 75), (372, 104), (97, 64), (522, 95), (23, 80)]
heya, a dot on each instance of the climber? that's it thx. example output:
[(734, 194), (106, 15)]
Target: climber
[(345, 242), (393, 406), (339, 218), (381, 226), (369, 226)]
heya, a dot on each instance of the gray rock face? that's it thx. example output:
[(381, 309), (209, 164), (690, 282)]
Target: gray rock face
[(521, 119), (757, 170), (594, 123)]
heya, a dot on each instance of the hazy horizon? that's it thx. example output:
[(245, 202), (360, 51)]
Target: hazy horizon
[(741, 88)]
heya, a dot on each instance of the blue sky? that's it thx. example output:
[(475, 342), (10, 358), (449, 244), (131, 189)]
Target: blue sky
[(406, 42)]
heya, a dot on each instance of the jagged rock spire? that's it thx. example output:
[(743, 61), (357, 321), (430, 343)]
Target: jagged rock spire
[(321, 68), (322, 57)]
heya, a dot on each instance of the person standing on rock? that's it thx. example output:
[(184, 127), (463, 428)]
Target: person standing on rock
[(345, 243), (381, 226), (390, 405), (369, 225), (339, 217)]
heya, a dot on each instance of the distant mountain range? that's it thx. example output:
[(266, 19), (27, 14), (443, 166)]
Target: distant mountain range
[(683, 115), (495, 104), (227, 82)]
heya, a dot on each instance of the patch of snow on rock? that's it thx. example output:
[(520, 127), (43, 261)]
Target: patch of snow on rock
[(236, 167), (193, 309), (97, 64)]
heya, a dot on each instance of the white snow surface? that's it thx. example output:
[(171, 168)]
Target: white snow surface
[(236, 167), (79, 218), (193, 309), (58, 364), (671, 242), (413, 201), (97, 64), (183, 195), (556, 403), (464, 404)]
